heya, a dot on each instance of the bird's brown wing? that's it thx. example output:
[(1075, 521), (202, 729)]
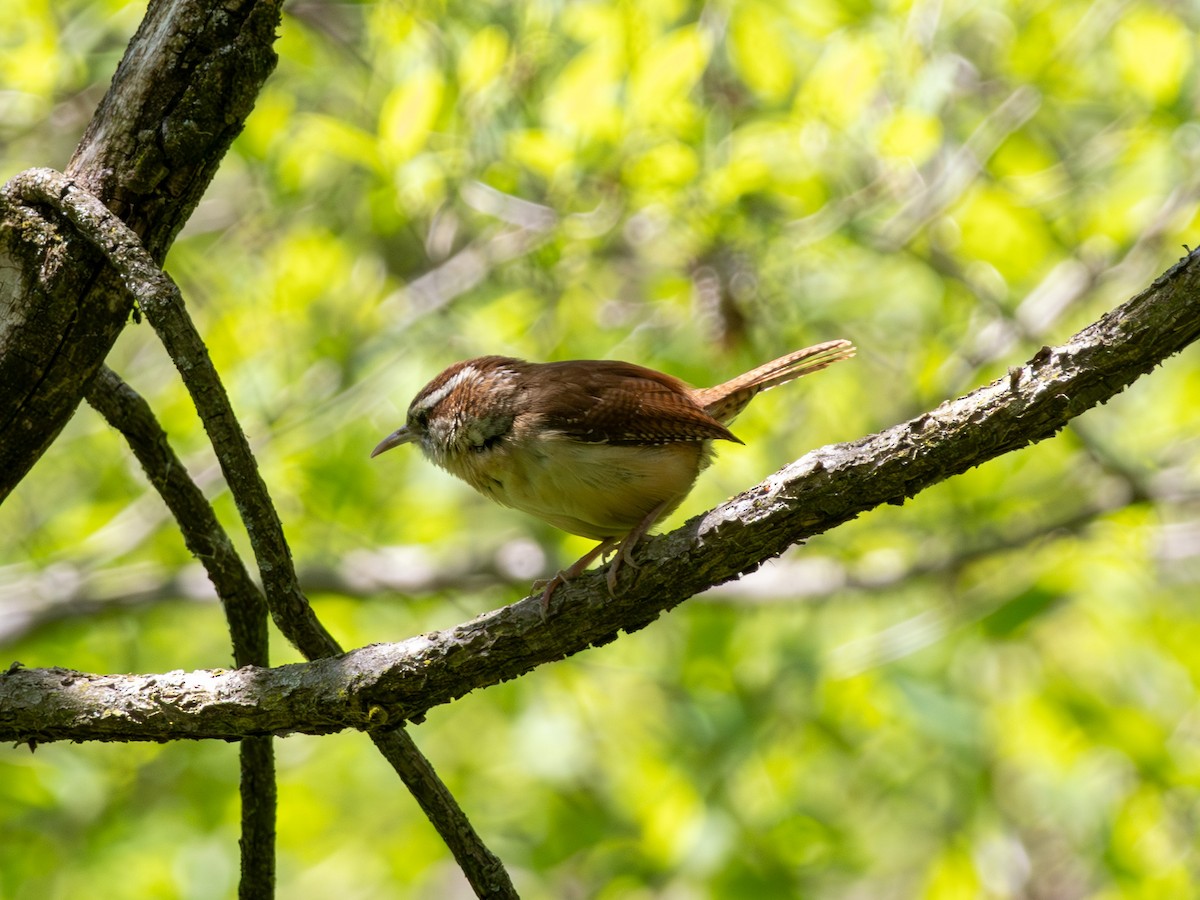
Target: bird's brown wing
[(621, 403)]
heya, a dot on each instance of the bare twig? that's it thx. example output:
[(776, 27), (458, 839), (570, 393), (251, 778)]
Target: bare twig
[(179, 97), (162, 304)]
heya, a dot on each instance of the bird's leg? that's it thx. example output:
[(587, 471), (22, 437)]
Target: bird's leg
[(625, 552), (573, 570)]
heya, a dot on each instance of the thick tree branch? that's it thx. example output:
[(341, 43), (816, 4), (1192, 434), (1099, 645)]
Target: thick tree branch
[(381, 685)]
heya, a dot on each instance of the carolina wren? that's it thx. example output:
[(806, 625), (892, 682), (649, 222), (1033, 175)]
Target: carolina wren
[(598, 448)]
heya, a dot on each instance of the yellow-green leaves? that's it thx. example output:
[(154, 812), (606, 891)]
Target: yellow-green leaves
[(483, 58), (664, 167), (760, 52), (664, 76), (1154, 51), (967, 696), (910, 134), (844, 81), (998, 228), (408, 114), (585, 100), (544, 152)]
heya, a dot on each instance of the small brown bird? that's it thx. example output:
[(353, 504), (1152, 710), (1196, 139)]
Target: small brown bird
[(598, 448)]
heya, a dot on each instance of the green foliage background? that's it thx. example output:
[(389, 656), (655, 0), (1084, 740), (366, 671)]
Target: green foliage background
[(990, 692)]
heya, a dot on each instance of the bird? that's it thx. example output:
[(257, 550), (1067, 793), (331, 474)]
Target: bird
[(598, 448)]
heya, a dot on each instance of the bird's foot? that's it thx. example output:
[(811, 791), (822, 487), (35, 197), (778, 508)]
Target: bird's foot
[(625, 551), (562, 577)]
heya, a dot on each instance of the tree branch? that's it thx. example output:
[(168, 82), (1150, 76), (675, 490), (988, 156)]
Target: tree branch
[(160, 300), (382, 685)]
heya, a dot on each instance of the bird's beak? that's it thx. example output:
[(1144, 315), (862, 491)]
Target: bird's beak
[(395, 439)]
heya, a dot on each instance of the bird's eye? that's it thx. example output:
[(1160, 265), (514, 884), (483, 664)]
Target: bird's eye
[(419, 418)]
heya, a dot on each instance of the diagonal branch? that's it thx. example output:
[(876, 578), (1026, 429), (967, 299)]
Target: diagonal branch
[(179, 97), (181, 94), (385, 684)]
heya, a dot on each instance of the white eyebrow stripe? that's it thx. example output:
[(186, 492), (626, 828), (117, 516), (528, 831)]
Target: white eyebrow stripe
[(429, 401)]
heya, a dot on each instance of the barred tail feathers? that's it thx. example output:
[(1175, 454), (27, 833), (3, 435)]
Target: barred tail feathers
[(725, 401)]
